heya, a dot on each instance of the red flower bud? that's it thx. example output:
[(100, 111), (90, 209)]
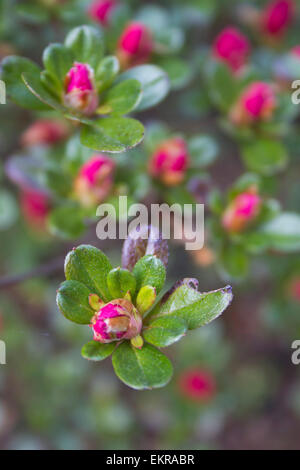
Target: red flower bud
[(101, 11), (80, 92), (170, 161), (277, 16), (241, 211), (295, 289), (135, 45), (95, 180), (35, 207), (257, 103), (232, 47), (44, 132), (197, 385), (116, 320)]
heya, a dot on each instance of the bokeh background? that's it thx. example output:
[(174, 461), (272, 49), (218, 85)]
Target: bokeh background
[(235, 386)]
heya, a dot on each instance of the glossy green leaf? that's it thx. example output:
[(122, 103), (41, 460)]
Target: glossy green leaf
[(120, 281), (164, 331), (179, 72), (155, 84), (234, 262), (265, 156), (90, 266), (194, 308), (283, 232), (57, 60), (87, 45), (66, 222), (203, 150), (11, 73), (35, 85), (114, 134), (141, 369), (95, 351), (106, 72), (145, 299), (73, 302), (149, 271), (122, 98)]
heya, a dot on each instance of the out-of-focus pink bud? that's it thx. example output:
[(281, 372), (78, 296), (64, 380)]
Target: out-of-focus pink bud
[(116, 320), (241, 211), (257, 103), (35, 208), (80, 91), (277, 16), (232, 47), (170, 161), (197, 385), (101, 11), (295, 51), (135, 45), (44, 132), (295, 289), (95, 180)]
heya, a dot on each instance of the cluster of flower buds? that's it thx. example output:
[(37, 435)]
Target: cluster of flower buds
[(95, 180), (80, 90), (256, 103), (135, 45), (102, 10), (242, 210), (44, 132), (232, 48), (170, 161), (197, 385), (35, 207), (116, 320)]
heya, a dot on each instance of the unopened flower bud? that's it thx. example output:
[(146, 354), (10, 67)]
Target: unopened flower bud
[(135, 45), (257, 103), (241, 211), (197, 385), (276, 17), (232, 47), (95, 180), (101, 11), (294, 289), (80, 91), (35, 208), (44, 132), (116, 320), (170, 161)]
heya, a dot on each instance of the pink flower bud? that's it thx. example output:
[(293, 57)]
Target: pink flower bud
[(232, 47), (197, 385), (170, 161), (135, 45), (35, 208), (241, 211), (80, 92), (116, 320), (95, 180), (295, 289), (295, 51), (277, 16), (44, 132), (101, 11), (257, 103)]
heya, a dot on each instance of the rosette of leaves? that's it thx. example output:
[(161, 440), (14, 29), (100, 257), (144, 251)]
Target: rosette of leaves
[(43, 90), (272, 231), (139, 364)]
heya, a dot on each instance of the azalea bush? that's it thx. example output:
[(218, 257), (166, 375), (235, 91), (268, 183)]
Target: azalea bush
[(164, 103)]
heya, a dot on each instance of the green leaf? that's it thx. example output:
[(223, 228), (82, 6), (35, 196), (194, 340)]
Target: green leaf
[(114, 134), (234, 262), (265, 156), (120, 281), (203, 150), (179, 72), (194, 308), (66, 222), (223, 86), (11, 74), (8, 210), (141, 369), (106, 72), (149, 271), (145, 299), (90, 266), (73, 302), (57, 60), (87, 45), (36, 86), (95, 351), (283, 232), (154, 81), (122, 98), (164, 331)]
